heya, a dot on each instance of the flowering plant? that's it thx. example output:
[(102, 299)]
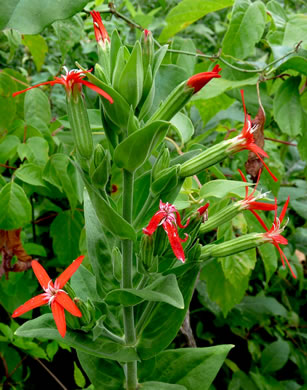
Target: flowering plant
[(123, 307)]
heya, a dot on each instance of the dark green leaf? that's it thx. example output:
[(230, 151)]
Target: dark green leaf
[(275, 356), (163, 289), (137, 148), (44, 327), (15, 207)]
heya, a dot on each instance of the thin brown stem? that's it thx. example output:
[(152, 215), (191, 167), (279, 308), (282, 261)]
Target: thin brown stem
[(280, 141), (7, 166), (51, 373)]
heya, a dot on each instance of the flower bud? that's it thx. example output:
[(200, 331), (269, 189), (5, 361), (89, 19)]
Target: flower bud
[(147, 48), (161, 163), (100, 168), (117, 263), (148, 262), (167, 179)]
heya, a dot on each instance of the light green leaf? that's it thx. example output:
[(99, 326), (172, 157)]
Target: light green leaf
[(15, 207), (288, 111), (7, 102), (245, 29), (221, 188), (193, 368), (65, 231), (35, 249), (137, 148), (78, 376), (275, 356), (8, 148), (37, 47), (83, 283), (296, 29), (31, 174), (164, 289), (183, 126), (23, 15), (52, 349), (239, 266), (103, 373), (44, 327), (35, 150), (37, 107), (187, 12)]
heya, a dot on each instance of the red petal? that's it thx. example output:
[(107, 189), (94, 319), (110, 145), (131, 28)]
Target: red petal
[(284, 209), (67, 274), (261, 206), (283, 256), (52, 82), (41, 274), (203, 209), (59, 317), (178, 219), (97, 89), (244, 179), (259, 220), (255, 150), (198, 81), (154, 222), (31, 304), (64, 300), (174, 240)]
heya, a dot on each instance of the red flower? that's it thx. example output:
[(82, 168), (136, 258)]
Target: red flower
[(101, 33), (250, 201), (70, 80), (246, 141), (169, 217), (202, 211), (273, 235), (201, 79), (57, 298)]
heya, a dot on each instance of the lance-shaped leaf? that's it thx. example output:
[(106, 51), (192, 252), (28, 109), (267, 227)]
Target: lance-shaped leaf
[(99, 243), (193, 368), (107, 215), (137, 148), (164, 289), (131, 79), (164, 321), (44, 327)]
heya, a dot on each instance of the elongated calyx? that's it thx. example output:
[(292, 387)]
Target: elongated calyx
[(198, 81)]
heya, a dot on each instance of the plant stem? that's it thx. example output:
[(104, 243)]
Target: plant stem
[(127, 252), (144, 210)]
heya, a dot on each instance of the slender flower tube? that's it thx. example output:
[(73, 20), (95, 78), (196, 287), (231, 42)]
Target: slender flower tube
[(72, 80), (57, 298), (101, 34), (250, 202), (169, 217), (177, 99), (273, 235), (217, 153)]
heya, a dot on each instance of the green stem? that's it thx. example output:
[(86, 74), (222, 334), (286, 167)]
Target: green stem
[(143, 319), (144, 210), (127, 252)]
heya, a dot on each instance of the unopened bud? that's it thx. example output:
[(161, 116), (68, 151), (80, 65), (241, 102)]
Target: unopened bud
[(147, 48), (161, 163), (100, 169), (117, 263), (167, 179), (149, 262)]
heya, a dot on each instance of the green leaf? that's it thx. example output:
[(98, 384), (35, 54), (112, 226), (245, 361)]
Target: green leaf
[(163, 289), (164, 321), (44, 327), (220, 289), (35, 150), (297, 61), (137, 148), (52, 349), (65, 231), (78, 376), (239, 266), (15, 207), (261, 306), (183, 126), (83, 283), (245, 29), (296, 28), (31, 174), (22, 15), (275, 356), (8, 148), (160, 386), (103, 374), (60, 172), (288, 111), (221, 188), (37, 47), (35, 249), (99, 244), (37, 107), (108, 217), (187, 12), (131, 80), (193, 368), (7, 102)]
